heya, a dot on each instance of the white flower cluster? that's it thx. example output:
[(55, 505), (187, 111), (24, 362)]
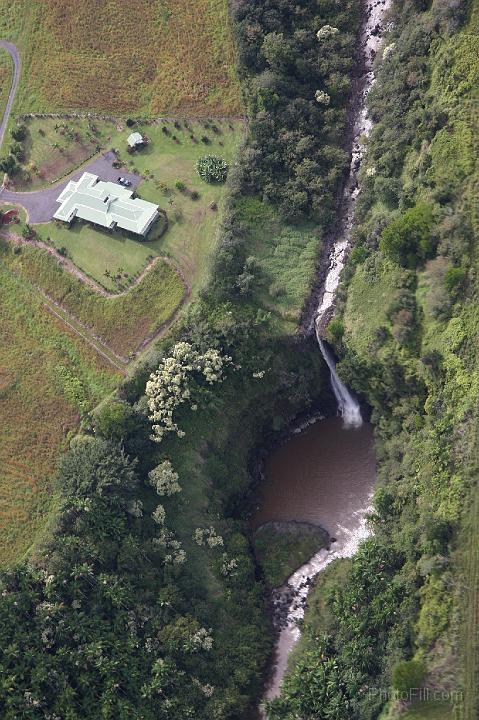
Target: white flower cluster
[(208, 536), (202, 639), (159, 515), (259, 374), (322, 97), (169, 386), (135, 508), (326, 31), (164, 479), (388, 50), (228, 566), (207, 689), (166, 539)]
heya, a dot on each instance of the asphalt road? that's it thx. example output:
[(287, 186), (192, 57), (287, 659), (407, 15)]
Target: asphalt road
[(41, 204), (13, 50)]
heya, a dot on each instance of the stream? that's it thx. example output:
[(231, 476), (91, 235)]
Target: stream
[(325, 475)]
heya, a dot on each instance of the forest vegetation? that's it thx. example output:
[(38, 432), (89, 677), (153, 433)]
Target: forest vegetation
[(143, 599), (407, 332)]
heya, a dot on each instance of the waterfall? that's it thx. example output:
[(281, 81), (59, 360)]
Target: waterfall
[(348, 405)]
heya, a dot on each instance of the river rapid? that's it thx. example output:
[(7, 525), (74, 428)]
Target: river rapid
[(325, 475)]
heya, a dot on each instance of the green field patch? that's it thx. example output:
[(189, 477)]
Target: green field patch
[(284, 259), (428, 710), (48, 378), (122, 322), (148, 58), (370, 294), (114, 259), (6, 77)]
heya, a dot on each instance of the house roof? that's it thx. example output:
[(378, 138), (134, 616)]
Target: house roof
[(135, 139), (106, 204)]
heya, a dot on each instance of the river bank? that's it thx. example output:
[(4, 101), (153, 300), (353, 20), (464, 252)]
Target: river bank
[(289, 471), (323, 476)]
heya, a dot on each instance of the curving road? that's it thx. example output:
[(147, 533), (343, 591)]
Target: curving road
[(15, 55), (40, 205)]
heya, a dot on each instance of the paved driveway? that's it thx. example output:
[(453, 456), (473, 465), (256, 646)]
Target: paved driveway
[(41, 204)]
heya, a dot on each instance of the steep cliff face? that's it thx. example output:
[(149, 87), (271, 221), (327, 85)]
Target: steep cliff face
[(410, 319), (406, 329)]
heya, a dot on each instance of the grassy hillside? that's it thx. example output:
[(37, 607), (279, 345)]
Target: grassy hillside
[(6, 76), (407, 332), (123, 321), (48, 378), (117, 57)]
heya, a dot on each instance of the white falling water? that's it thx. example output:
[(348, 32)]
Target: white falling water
[(348, 538), (348, 405)]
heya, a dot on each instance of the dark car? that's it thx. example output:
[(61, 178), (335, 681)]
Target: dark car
[(123, 181)]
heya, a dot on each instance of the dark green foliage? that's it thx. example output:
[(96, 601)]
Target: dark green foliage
[(115, 420), (295, 155), (336, 330), (281, 548), (8, 164), (408, 239), (18, 151), (95, 466), (408, 675), (106, 627), (338, 674), (454, 278), (19, 132)]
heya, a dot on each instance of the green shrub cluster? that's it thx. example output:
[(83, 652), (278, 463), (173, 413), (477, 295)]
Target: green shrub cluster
[(212, 169)]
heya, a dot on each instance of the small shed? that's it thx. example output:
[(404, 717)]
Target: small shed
[(135, 140)]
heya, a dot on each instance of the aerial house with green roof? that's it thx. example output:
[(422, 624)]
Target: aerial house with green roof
[(105, 203)]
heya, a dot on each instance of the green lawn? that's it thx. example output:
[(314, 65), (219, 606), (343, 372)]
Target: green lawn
[(192, 224), (370, 294), (97, 251), (285, 260)]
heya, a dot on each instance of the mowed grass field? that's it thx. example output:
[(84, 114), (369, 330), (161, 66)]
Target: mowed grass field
[(48, 377), (170, 56)]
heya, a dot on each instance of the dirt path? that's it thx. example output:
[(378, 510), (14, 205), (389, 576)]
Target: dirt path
[(119, 362), (15, 55), (70, 267)]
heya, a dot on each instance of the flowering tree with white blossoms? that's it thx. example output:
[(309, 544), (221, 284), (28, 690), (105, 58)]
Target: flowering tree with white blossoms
[(164, 479), (172, 384), (322, 97), (208, 536), (159, 515), (326, 31), (166, 539)]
